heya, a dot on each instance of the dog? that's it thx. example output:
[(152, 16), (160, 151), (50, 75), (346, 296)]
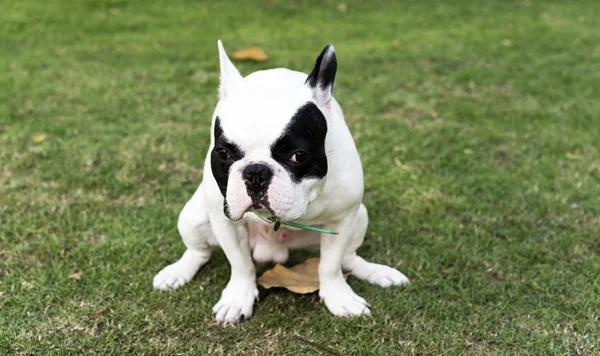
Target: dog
[(279, 148)]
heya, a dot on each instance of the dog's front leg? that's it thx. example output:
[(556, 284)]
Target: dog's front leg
[(339, 298), (238, 297)]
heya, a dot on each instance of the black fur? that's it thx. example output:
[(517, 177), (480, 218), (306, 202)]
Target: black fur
[(323, 74), (305, 132), (220, 167)]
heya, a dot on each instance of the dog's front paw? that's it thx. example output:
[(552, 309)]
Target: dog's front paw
[(341, 300), (385, 276), (236, 301)]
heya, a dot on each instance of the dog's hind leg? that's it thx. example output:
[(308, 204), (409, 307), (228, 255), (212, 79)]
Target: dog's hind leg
[(374, 273), (196, 233)]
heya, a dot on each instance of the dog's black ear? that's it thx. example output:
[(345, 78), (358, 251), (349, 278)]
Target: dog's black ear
[(322, 76)]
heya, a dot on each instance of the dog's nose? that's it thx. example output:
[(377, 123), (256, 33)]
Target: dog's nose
[(257, 176)]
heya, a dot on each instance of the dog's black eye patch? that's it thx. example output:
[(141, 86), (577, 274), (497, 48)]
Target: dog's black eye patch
[(305, 132), (223, 155)]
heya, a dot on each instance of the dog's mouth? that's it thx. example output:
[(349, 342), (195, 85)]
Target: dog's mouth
[(261, 205), (259, 201)]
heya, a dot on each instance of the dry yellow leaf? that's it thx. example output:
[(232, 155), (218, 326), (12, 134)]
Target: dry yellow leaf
[(76, 276), (38, 138), (399, 164), (301, 279), (251, 54)]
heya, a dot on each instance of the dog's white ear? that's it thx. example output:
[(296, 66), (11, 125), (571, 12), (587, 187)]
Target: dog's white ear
[(321, 79), (231, 79)]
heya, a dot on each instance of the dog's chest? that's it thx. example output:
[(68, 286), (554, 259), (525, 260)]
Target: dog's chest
[(258, 231), (269, 245)]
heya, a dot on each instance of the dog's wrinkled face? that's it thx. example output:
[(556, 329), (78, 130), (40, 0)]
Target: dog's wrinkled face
[(257, 168), (269, 145)]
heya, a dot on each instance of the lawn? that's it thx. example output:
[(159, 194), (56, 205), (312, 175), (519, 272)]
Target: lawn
[(478, 124)]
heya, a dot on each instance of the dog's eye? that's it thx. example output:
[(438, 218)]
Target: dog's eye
[(299, 157), (223, 154)]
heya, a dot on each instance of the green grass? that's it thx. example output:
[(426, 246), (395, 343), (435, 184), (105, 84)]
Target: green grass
[(479, 128)]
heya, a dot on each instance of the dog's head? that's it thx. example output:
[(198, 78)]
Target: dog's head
[(268, 144)]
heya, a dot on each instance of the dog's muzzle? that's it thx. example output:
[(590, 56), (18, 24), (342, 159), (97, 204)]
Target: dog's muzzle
[(257, 178)]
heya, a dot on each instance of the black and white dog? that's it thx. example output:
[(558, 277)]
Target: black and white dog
[(279, 147)]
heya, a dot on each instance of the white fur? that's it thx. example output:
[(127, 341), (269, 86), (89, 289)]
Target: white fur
[(253, 112)]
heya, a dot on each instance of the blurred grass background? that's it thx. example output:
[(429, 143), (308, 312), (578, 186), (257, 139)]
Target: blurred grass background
[(478, 124)]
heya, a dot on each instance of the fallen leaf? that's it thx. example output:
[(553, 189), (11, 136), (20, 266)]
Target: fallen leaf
[(38, 138), (301, 279), (76, 276), (399, 164), (251, 54), (468, 151)]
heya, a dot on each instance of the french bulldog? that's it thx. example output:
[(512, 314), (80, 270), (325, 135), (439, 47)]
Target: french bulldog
[(279, 148)]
